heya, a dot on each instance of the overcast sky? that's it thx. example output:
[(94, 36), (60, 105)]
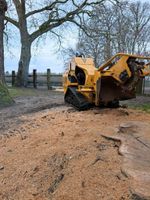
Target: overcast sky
[(45, 57)]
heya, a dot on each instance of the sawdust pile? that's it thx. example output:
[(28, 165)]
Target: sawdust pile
[(60, 154)]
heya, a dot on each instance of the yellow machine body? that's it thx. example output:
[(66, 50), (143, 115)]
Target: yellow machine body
[(115, 80)]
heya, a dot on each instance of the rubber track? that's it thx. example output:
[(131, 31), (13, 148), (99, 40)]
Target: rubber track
[(76, 99)]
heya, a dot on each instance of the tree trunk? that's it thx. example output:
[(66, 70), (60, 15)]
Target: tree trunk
[(22, 76), (25, 56), (5, 98), (2, 78)]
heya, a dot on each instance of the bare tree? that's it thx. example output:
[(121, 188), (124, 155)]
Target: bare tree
[(98, 42), (35, 19), (3, 8), (121, 27), (139, 20)]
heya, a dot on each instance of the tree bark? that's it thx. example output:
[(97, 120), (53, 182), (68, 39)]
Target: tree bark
[(1, 51), (25, 57), (5, 98), (3, 8)]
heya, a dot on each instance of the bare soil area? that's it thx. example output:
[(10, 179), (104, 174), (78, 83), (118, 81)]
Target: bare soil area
[(51, 151), (37, 100)]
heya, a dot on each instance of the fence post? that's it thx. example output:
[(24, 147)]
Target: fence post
[(13, 78), (143, 89), (139, 88), (34, 78), (49, 79)]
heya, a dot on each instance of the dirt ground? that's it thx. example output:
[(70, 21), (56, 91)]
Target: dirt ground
[(51, 151)]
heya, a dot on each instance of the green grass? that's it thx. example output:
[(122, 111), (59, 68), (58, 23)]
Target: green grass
[(5, 98), (16, 92), (143, 107)]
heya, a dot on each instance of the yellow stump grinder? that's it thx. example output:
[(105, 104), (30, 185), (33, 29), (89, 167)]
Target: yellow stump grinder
[(115, 80)]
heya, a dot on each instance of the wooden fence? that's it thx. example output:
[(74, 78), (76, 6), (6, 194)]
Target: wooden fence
[(36, 80), (50, 80)]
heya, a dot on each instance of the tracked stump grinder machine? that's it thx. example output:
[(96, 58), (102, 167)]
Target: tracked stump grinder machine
[(114, 81)]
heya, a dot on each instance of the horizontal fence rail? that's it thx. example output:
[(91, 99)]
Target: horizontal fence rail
[(35, 79)]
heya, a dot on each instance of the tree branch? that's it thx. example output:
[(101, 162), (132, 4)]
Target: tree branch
[(12, 21), (53, 23), (46, 8)]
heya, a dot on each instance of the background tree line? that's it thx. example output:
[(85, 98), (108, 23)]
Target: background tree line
[(112, 28)]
